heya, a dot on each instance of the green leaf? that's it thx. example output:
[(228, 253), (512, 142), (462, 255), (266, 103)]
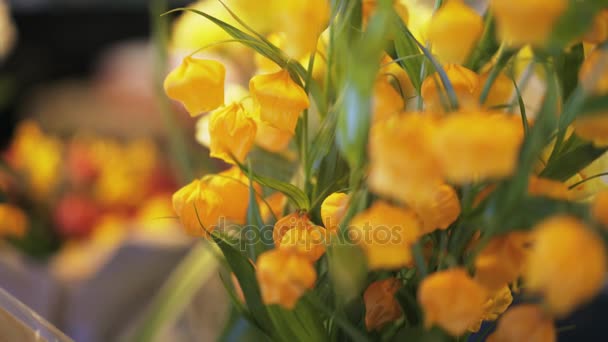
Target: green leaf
[(575, 22), (568, 164), (405, 47), (503, 58), (347, 269), (567, 65), (486, 47), (256, 232)]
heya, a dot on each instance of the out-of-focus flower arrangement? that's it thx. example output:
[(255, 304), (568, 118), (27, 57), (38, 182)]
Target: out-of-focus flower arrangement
[(76, 198), (447, 159)]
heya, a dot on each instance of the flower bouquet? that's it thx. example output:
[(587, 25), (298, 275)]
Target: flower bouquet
[(441, 168)]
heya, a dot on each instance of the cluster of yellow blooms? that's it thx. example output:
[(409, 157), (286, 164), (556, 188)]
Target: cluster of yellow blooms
[(420, 164)]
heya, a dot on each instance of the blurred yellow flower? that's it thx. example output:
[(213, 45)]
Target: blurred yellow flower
[(386, 100), (465, 83), (386, 234), (451, 300), (273, 206), (545, 187), (232, 133), (521, 22), (381, 307), (476, 146), (599, 30), (284, 275), (309, 241), (232, 187), (302, 21), (402, 165), (498, 303), (295, 220), (502, 260), (278, 100), (525, 322), (439, 209), (13, 221), (599, 207), (564, 243), (198, 84), (500, 92), (272, 139), (391, 68), (198, 209), (453, 31), (333, 210), (593, 76)]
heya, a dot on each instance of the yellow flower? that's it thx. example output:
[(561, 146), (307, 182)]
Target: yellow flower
[(284, 275), (502, 260), (278, 100), (599, 208), (309, 241), (599, 31), (386, 234), (198, 84), (333, 210), (232, 133), (302, 21), (564, 243), (386, 100), (401, 163), (276, 203), (593, 76), (295, 220), (197, 208), (500, 92), (13, 221), (545, 187), (521, 22), (452, 300), (438, 210), (593, 127), (391, 68), (525, 322), (453, 30), (465, 83), (496, 304), (232, 186), (272, 139), (381, 307), (476, 146)]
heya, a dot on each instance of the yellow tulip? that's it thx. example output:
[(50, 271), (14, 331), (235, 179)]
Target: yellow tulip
[(525, 322), (198, 209), (284, 275), (278, 100), (381, 307), (386, 100), (232, 186), (599, 31), (476, 146), (333, 210), (453, 31), (402, 165), (232, 133), (521, 22), (391, 68), (272, 139), (451, 300), (564, 243), (502, 261), (13, 221), (496, 304), (295, 220), (386, 234), (500, 92), (198, 84), (466, 87), (302, 21), (438, 210), (309, 241)]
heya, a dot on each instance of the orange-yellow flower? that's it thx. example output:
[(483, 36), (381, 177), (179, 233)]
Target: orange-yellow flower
[(599, 31), (284, 275), (272, 139), (295, 220), (302, 21), (593, 76), (475, 145), (466, 87), (545, 187), (278, 99), (333, 210), (564, 243), (451, 300), (13, 221), (453, 30), (521, 22), (438, 210), (198, 209), (386, 100), (599, 208), (232, 133), (402, 165), (497, 303), (525, 322), (309, 241), (198, 84), (500, 92), (386, 234), (392, 69), (232, 186), (502, 260), (381, 307), (273, 206)]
